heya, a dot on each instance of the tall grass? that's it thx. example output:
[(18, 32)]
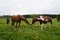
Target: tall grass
[(29, 32)]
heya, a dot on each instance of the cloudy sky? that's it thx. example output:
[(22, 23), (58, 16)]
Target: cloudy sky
[(13, 7)]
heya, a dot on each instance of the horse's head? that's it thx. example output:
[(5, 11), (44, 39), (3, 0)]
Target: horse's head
[(25, 20), (34, 20), (37, 19)]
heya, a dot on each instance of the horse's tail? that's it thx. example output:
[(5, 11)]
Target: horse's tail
[(51, 21), (8, 20)]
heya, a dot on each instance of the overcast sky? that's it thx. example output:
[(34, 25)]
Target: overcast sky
[(13, 7)]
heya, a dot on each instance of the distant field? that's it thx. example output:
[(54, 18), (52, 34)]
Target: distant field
[(29, 32)]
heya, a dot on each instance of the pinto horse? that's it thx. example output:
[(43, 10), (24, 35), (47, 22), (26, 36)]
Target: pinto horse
[(42, 20), (17, 19)]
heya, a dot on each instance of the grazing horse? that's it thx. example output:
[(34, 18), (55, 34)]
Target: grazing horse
[(42, 20), (17, 19)]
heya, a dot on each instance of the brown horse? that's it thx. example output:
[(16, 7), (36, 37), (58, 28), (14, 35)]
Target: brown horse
[(17, 19), (42, 20)]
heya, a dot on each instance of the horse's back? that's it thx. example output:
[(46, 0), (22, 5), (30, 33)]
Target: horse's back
[(18, 18), (15, 18), (48, 18)]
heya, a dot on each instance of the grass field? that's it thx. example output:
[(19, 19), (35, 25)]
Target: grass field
[(29, 32)]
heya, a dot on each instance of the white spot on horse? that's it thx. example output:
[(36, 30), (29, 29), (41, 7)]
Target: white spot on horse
[(46, 19), (41, 17), (38, 18)]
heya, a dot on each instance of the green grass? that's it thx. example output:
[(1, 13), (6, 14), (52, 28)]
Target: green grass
[(29, 32)]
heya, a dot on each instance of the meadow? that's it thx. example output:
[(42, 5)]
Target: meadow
[(29, 32)]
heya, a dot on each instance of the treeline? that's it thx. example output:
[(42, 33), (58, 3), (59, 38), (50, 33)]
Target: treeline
[(31, 16)]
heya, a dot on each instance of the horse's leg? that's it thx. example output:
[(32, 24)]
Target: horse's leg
[(50, 24), (51, 21), (13, 23), (16, 24), (42, 26), (19, 23)]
